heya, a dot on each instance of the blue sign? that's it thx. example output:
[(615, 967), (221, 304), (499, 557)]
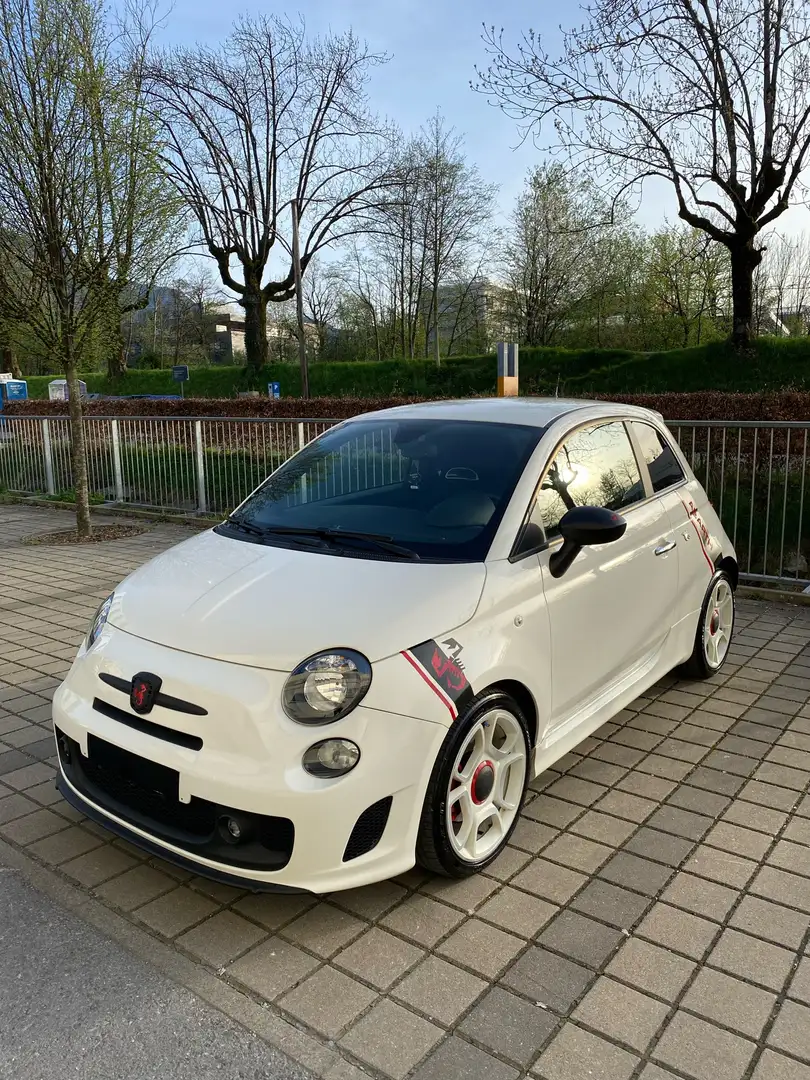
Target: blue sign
[(274, 390), (180, 373), (16, 390), (13, 390)]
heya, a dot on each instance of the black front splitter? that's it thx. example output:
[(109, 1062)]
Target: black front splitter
[(86, 808)]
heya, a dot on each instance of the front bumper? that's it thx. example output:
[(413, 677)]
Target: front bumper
[(306, 834)]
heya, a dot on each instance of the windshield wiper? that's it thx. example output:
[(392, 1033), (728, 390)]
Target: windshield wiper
[(261, 532), (382, 543), (245, 526)]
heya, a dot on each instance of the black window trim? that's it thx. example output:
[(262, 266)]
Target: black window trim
[(516, 556), (642, 464)]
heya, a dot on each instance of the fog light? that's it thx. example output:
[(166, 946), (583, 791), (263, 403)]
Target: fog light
[(233, 830), (332, 757)]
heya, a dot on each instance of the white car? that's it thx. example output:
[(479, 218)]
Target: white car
[(411, 618)]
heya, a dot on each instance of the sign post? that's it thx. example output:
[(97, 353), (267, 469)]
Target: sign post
[(508, 369), (180, 374)]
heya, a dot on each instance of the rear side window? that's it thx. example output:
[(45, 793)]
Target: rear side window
[(659, 455)]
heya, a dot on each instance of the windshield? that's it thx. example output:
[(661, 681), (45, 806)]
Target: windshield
[(397, 489)]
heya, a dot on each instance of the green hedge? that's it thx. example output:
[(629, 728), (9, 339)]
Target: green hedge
[(773, 364)]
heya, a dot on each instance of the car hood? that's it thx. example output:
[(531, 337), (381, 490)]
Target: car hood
[(272, 607)]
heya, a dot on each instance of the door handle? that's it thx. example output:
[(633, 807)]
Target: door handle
[(662, 549)]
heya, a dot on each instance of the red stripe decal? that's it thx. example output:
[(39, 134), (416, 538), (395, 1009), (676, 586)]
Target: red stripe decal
[(702, 548), (418, 668)]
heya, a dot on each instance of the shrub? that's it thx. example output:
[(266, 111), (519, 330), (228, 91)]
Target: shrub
[(772, 364), (708, 405)]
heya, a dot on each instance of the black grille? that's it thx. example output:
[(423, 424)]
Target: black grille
[(146, 794), (368, 829), (148, 727), (146, 787)]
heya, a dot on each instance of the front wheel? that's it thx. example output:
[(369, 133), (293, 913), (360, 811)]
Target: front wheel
[(715, 627), (476, 789)]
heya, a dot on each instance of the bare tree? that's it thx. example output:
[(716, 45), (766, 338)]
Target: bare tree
[(321, 294), (267, 119), (787, 267), (457, 205), (363, 287), (711, 95), (399, 250), (79, 184)]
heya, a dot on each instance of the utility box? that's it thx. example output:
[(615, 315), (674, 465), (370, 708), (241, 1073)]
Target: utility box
[(58, 390), (12, 390)]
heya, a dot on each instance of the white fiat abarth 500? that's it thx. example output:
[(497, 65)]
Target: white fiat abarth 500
[(364, 665)]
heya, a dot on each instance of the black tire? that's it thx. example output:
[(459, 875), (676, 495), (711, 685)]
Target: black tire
[(698, 665), (434, 851)]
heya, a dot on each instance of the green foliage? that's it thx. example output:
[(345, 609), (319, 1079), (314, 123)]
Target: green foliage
[(773, 364), (69, 496)]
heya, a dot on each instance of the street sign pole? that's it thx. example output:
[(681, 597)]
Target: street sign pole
[(180, 374)]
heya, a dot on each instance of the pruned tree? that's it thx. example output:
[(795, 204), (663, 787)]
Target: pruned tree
[(265, 120), (711, 95), (79, 183)]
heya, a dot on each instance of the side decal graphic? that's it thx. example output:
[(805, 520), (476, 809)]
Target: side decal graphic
[(443, 673), (700, 528)]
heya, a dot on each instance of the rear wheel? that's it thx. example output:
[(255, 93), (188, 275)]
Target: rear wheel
[(714, 631), (476, 789)]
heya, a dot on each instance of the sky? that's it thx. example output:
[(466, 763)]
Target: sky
[(434, 47)]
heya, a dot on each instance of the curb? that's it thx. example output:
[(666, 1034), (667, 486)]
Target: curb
[(264, 1023)]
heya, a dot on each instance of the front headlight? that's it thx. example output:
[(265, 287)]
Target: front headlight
[(99, 619), (326, 687)]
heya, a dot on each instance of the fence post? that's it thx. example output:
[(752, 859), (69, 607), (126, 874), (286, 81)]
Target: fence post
[(301, 437), (119, 476), (46, 447), (201, 501)]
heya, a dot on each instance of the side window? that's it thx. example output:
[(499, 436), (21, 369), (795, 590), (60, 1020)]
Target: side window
[(596, 466), (659, 455)]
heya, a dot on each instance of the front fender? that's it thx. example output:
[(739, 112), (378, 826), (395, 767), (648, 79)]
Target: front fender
[(507, 641)]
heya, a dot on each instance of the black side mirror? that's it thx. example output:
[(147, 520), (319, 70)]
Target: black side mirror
[(581, 527)]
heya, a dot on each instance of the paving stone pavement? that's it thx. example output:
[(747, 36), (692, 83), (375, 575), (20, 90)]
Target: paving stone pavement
[(650, 918)]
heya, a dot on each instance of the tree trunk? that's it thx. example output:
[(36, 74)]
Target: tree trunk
[(745, 258), (78, 455), (437, 356), (255, 328), (117, 360), (9, 362)]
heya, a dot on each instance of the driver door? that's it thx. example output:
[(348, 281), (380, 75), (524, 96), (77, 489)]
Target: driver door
[(610, 611)]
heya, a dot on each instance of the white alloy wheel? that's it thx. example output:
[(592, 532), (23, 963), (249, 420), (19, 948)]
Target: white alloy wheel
[(718, 623), (486, 786)]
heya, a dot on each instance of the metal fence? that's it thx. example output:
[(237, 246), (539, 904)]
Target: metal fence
[(754, 473), (204, 466)]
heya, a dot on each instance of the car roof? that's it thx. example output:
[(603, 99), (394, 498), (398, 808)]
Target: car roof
[(531, 411)]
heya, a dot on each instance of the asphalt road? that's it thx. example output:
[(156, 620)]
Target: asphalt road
[(75, 1004)]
